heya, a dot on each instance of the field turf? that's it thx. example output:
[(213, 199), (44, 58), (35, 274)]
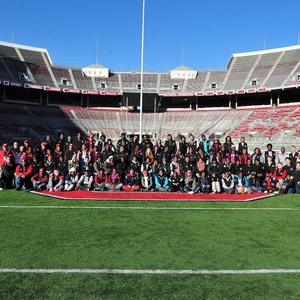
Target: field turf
[(82, 248)]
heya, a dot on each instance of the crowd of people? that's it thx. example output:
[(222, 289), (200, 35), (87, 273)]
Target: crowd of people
[(188, 166)]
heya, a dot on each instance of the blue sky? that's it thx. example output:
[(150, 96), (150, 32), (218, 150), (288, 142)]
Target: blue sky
[(210, 30)]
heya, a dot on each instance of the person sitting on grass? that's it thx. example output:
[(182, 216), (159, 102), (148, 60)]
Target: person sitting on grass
[(189, 182), (241, 184), (147, 184), (268, 185), (40, 180), (175, 181), (131, 181), (161, 181), (56, 181), (113, 180), (85, 181), (23, 175), (100, 180), (228, 183), (71, 180)]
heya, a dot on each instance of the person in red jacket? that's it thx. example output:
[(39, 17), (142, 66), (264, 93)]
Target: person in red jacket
[(23, 175), (40, 180), (279, 175)]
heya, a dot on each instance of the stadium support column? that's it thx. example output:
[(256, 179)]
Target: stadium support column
[(278, 98)]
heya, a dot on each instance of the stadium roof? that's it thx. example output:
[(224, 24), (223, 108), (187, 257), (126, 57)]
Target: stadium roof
[(30, 48)]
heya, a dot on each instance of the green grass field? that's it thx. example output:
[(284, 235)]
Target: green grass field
[(142, 235)]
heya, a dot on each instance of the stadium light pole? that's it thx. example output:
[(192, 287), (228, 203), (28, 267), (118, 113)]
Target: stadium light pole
[(142, 70)]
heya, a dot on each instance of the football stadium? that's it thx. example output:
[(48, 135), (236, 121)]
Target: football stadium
[(204, 206)]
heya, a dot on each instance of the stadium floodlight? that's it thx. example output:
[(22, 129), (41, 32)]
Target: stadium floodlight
[(142, 70)]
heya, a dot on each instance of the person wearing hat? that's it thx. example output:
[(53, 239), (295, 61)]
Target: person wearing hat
[(100, 180), (71, 180), (254, 183), (147, 184), (40, 180), (23, 175), (268, 185)]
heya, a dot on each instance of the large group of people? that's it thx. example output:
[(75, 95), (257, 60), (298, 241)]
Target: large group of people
[(188, 165)]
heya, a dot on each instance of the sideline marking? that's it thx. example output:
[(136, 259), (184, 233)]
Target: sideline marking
[(120, 271), (150, 208)]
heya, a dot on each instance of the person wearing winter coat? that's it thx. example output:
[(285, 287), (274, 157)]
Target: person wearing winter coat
[(56, 181), (113, 180), (147, 182), (189, 182), (175, 182), (227, 183), (131, 181), (202, 183), (161, 181), (100, 180), (71, 180), (23, 175), (40, 180), (85, 181), (241, 184)]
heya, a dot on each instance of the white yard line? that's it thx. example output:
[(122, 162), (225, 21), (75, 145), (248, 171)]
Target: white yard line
[(120, 271), (146, 208)]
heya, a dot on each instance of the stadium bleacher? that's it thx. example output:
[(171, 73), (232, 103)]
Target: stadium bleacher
[(271, 69)]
